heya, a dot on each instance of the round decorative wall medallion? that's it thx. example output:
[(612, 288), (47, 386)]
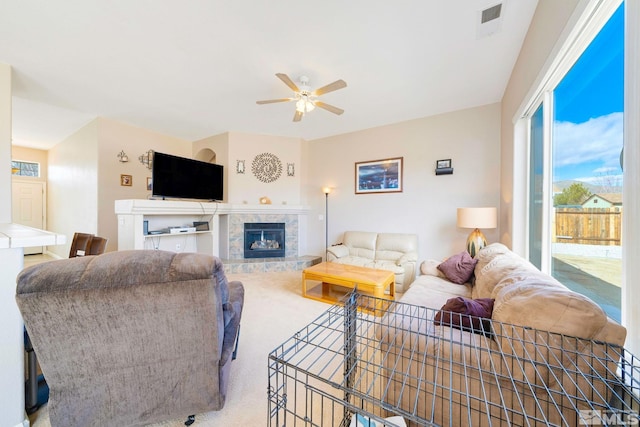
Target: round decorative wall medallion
[(266, 167)]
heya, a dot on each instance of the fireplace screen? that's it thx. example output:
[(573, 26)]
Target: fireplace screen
[(264, 240)]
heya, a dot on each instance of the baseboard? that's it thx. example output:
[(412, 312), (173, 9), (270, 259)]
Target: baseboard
[(53, 255)]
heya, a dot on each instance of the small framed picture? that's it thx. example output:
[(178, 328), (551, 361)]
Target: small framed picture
[(149, 183), (443, 164), (126, 180), (379, 176), (443, 167), (240, 166)]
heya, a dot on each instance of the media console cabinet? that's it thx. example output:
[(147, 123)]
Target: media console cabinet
[(146, 224)]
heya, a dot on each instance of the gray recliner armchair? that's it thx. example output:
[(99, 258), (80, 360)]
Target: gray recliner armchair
[(132, 337)]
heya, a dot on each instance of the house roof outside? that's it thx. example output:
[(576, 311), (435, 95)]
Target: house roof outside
[(614, 198)]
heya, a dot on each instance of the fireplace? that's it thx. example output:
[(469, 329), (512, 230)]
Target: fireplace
[(264, 239)]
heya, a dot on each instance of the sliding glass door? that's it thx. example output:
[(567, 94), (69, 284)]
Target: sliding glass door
[(575, 221)]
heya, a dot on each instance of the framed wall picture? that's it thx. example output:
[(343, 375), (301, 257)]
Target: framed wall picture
[(149, 183), (126, 180), (379, 176), (443, 164), (443, 167)]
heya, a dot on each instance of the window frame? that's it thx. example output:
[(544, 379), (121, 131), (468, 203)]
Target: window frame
[(26, 162)]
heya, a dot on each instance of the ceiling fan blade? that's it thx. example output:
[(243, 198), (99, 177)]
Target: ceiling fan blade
[(288, 81), (271, 101), (297, 116), (334, 110), (338, 84)]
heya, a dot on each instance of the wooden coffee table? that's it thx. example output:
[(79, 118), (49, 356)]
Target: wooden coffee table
[(335, 280)]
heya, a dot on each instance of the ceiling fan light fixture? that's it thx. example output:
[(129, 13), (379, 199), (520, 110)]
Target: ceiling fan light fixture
[(304, 105)]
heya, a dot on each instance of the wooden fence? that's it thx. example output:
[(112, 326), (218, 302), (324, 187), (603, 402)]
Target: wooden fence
[(588, 226)]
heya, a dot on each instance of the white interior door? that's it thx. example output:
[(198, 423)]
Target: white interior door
[(27, 200)]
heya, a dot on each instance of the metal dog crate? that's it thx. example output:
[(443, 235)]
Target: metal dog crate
[(374, 357)]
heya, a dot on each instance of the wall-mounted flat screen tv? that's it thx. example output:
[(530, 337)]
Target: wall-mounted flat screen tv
[(182, 178)]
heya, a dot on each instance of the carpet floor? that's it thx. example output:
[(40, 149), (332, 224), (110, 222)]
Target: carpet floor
[(274, 310)]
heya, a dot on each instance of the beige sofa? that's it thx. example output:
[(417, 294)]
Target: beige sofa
[(546, 341), (396, 252)]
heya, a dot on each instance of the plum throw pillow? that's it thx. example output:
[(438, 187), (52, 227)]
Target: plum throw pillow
[(471, 315), (458, 268)]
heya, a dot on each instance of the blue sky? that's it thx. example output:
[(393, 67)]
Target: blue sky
[(589, 105)]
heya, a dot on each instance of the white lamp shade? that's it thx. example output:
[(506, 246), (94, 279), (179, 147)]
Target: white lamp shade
[(477, 217)]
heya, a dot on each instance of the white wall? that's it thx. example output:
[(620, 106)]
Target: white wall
[(427, 206), (5, 143), (631, 225), (114, 137), (246, 188), (11, 344), (84, 177), (72, 204), (219, 144)]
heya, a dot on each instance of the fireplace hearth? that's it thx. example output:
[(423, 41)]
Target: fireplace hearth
[(264, 240)]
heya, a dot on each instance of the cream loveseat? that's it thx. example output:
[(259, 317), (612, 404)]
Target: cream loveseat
[(544, 354), (385, 251)]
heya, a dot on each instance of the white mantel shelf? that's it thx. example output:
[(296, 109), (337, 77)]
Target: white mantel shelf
[(20, 236), (171, 207)]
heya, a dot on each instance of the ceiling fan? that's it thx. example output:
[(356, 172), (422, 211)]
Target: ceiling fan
[(306, 99)]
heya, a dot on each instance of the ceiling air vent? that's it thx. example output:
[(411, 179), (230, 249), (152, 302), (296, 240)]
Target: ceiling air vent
[(491, 13), (490, 20)]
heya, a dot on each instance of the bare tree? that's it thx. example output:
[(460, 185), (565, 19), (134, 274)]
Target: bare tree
[(609, 181)]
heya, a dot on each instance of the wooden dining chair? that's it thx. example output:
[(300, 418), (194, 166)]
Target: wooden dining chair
[(87, 244)]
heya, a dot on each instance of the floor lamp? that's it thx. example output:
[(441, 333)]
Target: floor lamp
[(326, 191)]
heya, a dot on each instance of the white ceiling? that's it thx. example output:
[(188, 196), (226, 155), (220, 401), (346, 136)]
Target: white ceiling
[(195, 68)]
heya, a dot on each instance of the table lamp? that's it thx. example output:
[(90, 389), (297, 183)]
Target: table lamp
[(477, 218)]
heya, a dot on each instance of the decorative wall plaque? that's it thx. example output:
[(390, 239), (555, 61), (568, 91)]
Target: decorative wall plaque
[(266, 167)]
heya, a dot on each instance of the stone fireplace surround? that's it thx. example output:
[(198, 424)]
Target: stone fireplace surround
[(295, 221)]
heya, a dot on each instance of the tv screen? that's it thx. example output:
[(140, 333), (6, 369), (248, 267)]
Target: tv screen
[(179, 177)]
